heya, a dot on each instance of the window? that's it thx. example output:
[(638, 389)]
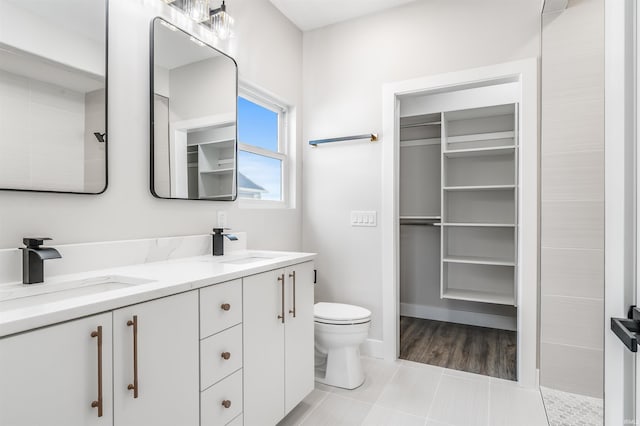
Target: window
[(261, 148)]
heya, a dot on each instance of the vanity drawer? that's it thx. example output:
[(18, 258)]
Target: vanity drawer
[(212, 409), (220, 307), (214, 349)]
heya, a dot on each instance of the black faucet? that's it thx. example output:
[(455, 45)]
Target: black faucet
[(218, 240), (33, 257)]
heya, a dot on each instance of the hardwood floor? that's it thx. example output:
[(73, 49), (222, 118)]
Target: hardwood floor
[(479, 350)]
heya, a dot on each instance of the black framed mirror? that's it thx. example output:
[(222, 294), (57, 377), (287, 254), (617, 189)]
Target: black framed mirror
[(53, 96), (194, 89)]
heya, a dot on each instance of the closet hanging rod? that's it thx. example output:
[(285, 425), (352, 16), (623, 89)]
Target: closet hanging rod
[(431, 123), (371, 136), (420, 224)]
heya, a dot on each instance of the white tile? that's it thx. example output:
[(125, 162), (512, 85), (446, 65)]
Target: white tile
[(335, 410), (572, 369), (569, 409), (510, 404), (466, 375), (461, 402), (411, 390), (302, 410), (435, 423), (572, 224), (383, 416), (572, 321), (577, 175), (377, 374), (572, 272)]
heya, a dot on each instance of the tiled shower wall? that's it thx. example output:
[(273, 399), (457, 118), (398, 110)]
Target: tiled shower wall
[(572, 199)]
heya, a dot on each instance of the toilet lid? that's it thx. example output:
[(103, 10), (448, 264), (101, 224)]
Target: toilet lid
[(339, 312)]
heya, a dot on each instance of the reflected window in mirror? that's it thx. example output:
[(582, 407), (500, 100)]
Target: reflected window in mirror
[(194, 109), (53, 129), (262, 159)]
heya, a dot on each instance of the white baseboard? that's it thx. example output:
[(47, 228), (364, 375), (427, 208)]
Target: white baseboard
[(372, 348), (460, 317)]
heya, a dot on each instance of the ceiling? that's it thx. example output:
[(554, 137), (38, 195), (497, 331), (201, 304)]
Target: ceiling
[(312, 14)]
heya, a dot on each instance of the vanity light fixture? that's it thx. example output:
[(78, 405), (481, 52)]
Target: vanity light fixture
[(221, 22), (218, 20), (198, 10)]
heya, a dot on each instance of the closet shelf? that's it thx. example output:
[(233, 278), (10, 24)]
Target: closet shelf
[(481, 225), (479, 188), (217, 171), (481, 137), (478, 260), (216, 197), (419, 217), (228, 141), (419, 142), (480, 296), (478, 152)]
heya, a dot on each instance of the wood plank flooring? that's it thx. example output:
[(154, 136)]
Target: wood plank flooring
[(479, 350)]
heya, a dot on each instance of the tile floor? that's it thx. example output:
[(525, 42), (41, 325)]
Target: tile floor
[(405, 393), (569, 409)]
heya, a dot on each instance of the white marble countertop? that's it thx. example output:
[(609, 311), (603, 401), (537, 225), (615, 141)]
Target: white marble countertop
[(167, 278)]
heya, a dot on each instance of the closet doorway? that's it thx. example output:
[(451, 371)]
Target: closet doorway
[(458, 233), (461, 221)]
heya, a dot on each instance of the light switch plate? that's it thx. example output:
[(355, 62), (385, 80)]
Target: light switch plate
[(364, 218)]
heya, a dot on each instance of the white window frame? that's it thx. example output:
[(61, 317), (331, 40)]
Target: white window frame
[(271, 103)]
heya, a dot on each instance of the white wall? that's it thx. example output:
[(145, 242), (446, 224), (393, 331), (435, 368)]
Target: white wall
[(345, 66), (268, 49)]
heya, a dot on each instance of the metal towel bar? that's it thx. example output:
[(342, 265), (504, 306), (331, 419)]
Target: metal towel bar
[(371, 136)]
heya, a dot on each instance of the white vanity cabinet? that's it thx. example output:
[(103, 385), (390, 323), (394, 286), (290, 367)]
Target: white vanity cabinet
[(156, 351), (278, 342), (50, 376)]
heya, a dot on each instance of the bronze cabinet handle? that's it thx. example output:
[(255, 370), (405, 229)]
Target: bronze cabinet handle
[(134, 386), (226, 403), (226, 355), (225, 306), (98, 403), (293, 311), (281, 279)]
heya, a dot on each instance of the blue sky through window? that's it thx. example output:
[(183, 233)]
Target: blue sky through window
[(258, 126)]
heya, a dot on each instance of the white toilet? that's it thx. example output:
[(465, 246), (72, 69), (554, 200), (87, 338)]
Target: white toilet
[(339, 331)]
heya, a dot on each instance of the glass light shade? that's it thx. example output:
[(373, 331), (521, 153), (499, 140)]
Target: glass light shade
[(222, 24), (198, 10)]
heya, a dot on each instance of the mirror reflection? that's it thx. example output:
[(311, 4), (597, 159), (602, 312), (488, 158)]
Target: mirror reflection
[(194, 96), (53, 95)]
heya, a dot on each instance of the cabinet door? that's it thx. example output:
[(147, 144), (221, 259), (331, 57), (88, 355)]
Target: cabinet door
[(299, 340), (167, 362), (50, 376), (263, 346)]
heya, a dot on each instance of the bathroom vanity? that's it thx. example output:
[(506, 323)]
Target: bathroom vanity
[(197, 340)]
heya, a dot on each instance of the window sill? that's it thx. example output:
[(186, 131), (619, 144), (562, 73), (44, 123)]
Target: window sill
[(246, 203)]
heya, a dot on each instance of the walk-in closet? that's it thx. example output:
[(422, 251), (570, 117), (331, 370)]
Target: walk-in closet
[(458, 225)]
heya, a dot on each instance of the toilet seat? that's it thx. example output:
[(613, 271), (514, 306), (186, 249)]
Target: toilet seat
[(340, 314)]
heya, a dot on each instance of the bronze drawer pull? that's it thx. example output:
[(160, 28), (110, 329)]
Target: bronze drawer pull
[(226, 355), (225, 306), (98, 404), (134, 386), (226, 403)]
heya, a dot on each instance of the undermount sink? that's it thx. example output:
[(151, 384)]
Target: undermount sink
[(16, 296), (252, 258)]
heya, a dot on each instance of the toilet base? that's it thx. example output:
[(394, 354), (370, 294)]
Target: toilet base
[(343, 368)]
